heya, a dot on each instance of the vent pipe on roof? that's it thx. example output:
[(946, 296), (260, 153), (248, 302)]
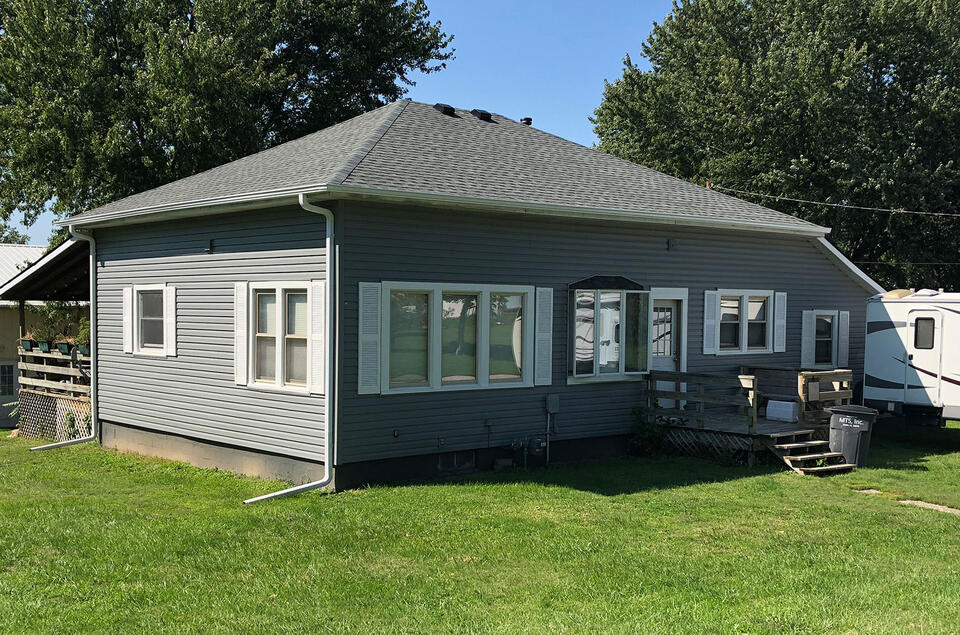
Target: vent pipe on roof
[(527, 121), (482, 115), (446, 109)]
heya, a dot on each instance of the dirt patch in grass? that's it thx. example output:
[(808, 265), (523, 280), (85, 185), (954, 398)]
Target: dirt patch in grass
[(926, 505)]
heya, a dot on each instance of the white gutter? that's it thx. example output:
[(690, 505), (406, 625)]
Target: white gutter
[(94, 401), (330, 409), (252, 200)]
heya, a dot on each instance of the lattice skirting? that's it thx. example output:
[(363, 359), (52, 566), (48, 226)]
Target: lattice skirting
[(57, 417), (696, 442)]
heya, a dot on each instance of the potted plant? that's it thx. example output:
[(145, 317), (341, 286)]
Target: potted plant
[(64, 347), (26, 344), (83, 336), (44, 332)]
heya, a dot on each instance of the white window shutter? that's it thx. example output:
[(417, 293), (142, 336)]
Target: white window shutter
[(128, 319), (780, 323), (318, 337), (843, 339), (543, 367), (711, 309), (240, 340), (368, 375), (170, 321), (808, 342)]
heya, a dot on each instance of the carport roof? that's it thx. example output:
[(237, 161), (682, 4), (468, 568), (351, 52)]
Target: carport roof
[(61, 274)]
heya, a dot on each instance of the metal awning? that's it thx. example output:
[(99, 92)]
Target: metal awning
[(61, 274)]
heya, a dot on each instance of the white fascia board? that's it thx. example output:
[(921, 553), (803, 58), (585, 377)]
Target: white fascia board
[(326, 192), (856, 272)]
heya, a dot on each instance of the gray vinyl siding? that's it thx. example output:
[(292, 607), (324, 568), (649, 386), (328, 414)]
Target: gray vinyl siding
[(194, 394), (382, 243)]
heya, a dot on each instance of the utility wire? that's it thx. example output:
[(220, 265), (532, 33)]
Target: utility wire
[(842, 205)]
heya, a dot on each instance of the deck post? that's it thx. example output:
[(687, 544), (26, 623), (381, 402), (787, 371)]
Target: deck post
[(23, 319)]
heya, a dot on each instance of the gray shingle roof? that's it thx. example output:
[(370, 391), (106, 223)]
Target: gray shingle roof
[(410, 147)]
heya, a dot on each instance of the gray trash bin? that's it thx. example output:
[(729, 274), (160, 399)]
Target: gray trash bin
[(850, 428)]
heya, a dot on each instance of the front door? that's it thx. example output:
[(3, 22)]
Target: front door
[(666, 343), (924, 339)]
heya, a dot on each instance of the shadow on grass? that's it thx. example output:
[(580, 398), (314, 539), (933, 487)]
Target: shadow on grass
[(624, 475), (900, 446)]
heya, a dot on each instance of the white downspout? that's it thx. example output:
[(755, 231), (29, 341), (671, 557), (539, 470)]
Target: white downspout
[(94, 419), (330, 401)]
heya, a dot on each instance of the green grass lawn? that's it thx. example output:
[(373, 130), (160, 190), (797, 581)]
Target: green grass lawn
[(93, 540)]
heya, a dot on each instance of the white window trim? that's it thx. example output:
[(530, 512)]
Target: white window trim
[(596, 377), (434, 292), (745, 295), (139, 351), (834, 336), (279, 288)]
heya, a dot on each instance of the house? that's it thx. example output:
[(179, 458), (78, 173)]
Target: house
[(13, 258), (423, 288)]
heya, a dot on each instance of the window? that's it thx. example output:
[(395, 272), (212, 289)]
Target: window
[(923, 338), (744, 321), (823, 350), (280, 335), (456, 337), (7, 379), (610, 332), (730, 323), (149, 320), (825, 339)]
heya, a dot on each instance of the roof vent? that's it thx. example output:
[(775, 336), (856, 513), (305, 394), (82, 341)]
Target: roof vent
[(527, 121), (446, 109), (482, 115)]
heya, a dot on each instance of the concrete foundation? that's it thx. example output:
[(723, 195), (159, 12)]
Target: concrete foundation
[(210, 455)]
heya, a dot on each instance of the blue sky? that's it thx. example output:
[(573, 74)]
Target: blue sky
[(545, 60)]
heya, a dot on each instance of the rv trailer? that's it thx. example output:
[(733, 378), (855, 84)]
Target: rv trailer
[(912, 357)]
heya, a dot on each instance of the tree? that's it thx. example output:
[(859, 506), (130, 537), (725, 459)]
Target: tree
[(846, 101), (100, 99)]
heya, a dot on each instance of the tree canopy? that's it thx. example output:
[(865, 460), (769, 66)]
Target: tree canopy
[(100, 99), (847, 101)]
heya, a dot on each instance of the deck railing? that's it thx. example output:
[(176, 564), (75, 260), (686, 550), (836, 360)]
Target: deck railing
[(813, 390), (733, 400)]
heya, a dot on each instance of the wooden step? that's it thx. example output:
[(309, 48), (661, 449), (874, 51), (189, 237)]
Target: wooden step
[(827, 469), (794, 433), (800, 444), (812, 457)]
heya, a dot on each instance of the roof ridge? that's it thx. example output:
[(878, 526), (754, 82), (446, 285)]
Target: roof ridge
[(363, 150)]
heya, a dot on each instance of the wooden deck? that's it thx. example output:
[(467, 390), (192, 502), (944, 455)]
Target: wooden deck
[(764, 429)]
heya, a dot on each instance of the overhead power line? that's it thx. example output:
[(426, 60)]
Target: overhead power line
[(720, 188)]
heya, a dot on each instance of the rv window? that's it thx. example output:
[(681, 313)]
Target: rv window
[(924, 334)]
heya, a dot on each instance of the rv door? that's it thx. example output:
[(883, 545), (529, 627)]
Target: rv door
[(924, 339)]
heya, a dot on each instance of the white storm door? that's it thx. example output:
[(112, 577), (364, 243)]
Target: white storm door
[(665, 340)]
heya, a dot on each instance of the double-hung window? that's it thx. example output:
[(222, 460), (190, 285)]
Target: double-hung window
[(280, 334), (825, 339), (609, 338), (744, 321), (437, 337), (149, 320)]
